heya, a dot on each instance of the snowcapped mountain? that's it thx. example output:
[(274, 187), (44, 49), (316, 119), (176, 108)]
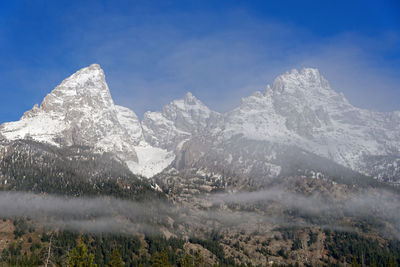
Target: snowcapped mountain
[(80, 111), (300, 110), (177, 122)]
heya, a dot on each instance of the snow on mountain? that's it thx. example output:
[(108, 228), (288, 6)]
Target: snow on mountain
[(152, 160), (177, 122), (301, 109), (80, 111), (128, 119)]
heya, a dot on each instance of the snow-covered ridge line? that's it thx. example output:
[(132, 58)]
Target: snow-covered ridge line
[(299, 109), (80, 111)]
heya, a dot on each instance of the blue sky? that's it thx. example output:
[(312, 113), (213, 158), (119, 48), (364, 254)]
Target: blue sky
[(156, 51)]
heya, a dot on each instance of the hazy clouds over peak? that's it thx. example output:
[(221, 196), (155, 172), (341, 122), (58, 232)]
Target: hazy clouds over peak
[(154, 53)]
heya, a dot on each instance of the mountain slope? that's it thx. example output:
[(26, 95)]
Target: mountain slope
[(81, 112), (302, 109), (27, 165), (299, 110), (177, 122)]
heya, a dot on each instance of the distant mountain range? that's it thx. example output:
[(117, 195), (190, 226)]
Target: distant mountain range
[(299, 112), (295, 174)]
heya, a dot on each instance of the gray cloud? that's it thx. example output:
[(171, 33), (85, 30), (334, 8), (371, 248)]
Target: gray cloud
[(233, 63), (148, 65), (105, 214), (380, 202), (152, 61)]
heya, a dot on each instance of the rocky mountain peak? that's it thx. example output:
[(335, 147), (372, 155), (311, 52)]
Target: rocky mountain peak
[(81, 112), (308, 79), (86, 88), (189, 98), (299, 109), (92, 73), (301, 94), (177, 122), (187, 112)]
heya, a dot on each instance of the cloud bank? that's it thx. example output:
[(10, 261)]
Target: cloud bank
[(153, 56), (111, 215)]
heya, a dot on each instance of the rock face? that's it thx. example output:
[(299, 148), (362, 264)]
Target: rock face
[(81, 112), (177, 122), (300, 110)]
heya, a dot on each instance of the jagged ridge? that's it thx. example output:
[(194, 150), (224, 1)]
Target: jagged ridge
[(81, 112), (300, 109)]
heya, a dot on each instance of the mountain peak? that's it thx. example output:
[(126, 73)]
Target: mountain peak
[(176, 122), (305, 72), (94, 66), (306, 79), (189, 97), (85, 88), (90, 74), (188, 102), (310, 72), (80, 111)]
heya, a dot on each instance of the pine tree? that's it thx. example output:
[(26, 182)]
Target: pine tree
[(79, 257), (354, 263), (186, 261), (391, 262), (161, 260), (198, 259), (116, 260)]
